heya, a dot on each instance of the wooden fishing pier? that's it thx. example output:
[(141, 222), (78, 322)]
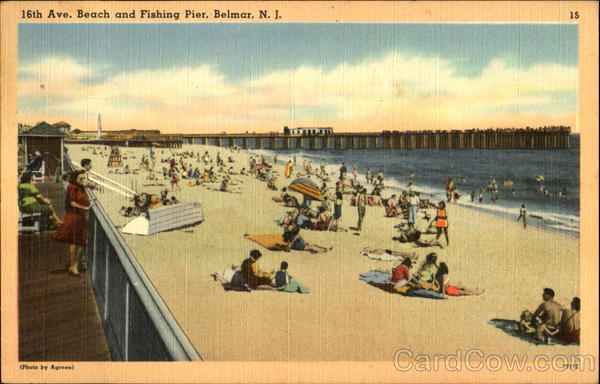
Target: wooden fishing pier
[(555, 137), (528, 138)]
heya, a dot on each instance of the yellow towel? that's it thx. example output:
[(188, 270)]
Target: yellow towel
[(273, 242)]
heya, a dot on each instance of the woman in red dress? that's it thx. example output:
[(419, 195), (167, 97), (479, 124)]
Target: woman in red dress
[(73, 231)]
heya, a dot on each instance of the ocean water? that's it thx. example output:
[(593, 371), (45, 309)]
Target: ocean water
[(432, 168)]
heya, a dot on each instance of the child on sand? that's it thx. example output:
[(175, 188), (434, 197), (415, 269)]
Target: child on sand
[(285, 283)]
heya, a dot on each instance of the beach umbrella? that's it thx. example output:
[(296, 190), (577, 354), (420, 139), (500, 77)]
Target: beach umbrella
[(307, 188), (257, 166)]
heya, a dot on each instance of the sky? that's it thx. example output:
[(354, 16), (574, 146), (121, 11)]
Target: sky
[(259, 77)]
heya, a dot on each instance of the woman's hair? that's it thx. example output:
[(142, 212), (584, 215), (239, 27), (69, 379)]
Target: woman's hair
[(442, 204), (290, 233), (576, 304), (26, 177), (407, 262), (442, 270), (431, 258), (284, 265), (255, 254), (73, 175)]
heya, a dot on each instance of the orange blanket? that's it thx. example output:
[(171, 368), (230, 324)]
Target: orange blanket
[(271, 242)]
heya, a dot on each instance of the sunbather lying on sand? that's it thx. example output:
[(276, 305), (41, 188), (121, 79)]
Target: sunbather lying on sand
[(428, 243), (388, 254), (231, 279), (292, 238), (441, 284)]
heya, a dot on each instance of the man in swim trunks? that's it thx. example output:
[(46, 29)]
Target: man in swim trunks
[(549, 312)]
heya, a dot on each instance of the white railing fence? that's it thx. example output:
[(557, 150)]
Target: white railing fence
[(137, 324)]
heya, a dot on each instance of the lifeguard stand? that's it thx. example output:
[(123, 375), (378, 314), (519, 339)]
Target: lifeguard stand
[(114, 160)]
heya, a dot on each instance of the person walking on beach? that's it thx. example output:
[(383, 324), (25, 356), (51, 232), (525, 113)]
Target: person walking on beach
[(289, 168), (337, 210), (175, 182), (449, 190), (413, 201), (361, 202), (323, 173), (523, 215), (369, 176), (343, 170), (380, 177), (441, 222), (472, 196), (480, 195)]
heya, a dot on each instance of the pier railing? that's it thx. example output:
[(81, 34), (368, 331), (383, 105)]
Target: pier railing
[(137, 324)]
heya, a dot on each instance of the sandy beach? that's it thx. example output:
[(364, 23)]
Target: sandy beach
[(343, 318)]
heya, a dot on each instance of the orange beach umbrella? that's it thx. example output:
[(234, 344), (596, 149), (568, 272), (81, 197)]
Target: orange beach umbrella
[(307, 188)]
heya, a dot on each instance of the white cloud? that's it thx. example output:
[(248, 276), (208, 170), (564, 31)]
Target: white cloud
[(394, 92)]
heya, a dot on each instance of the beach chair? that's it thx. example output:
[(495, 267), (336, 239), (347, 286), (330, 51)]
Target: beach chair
[(38, 176), (29, 222)]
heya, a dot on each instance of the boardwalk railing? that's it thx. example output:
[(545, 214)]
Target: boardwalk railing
[(137, 324), (108, 183)]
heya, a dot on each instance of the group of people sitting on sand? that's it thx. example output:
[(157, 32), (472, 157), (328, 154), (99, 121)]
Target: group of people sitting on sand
[(145, 201), (248, 277), (551, 319), (305, 217), (431, 280)]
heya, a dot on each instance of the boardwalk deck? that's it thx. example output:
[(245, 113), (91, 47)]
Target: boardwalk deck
[(58, 317)]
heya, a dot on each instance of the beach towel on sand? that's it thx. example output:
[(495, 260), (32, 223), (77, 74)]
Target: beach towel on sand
[(271, 242), (293, 286), (424, 294), (382, 280)]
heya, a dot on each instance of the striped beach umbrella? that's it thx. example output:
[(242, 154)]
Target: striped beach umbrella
[(306, 187)]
